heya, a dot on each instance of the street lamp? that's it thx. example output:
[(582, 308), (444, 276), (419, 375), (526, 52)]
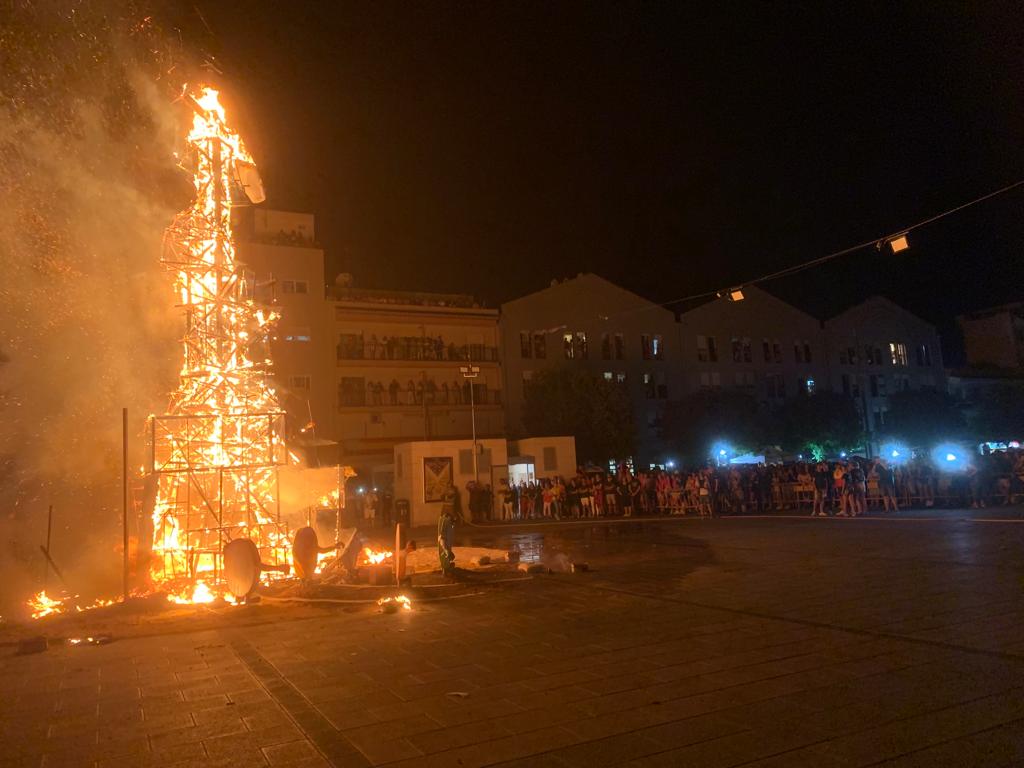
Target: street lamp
[(470, 372)]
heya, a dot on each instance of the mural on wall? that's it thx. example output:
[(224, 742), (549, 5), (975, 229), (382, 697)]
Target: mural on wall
[(437, 474)]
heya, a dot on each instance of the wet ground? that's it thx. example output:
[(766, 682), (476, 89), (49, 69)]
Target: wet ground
[(742, 641)]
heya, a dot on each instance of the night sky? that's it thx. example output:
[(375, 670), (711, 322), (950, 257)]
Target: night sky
[(488, 147)]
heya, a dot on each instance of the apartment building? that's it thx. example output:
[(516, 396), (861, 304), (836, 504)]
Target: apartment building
[(590, 323), (761, 345), (399, 358)]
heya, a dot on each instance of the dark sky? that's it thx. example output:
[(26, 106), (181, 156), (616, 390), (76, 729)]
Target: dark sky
[(487, 147)]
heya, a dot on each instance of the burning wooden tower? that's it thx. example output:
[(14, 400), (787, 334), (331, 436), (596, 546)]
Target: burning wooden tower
[(216, 451)]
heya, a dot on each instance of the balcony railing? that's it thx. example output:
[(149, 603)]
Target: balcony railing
[(415, 348), (351, 398)]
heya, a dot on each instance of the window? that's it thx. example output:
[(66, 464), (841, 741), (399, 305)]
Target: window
[(924, 356), (527, 378), (846, 384), (808, 386), (608, 376), (620, 347), (294, 286), (540, 346), (745, 379), (525, 346), (465, 461), (574, 345), (898, 353), (650, 388), (297, 334), (706, 350), (620, 378), (851, 355), (881, 386), (606, 346), (802, 351), (776, 385), (299, 382), (869, 354), (807, 352), (797, 352), (651, 347), (550, 459), (710, 380), (873, 382), (767, 348), (777, 351)]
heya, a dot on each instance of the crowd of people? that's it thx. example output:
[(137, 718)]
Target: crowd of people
[(353, 347), (844, 488), (418, 392)]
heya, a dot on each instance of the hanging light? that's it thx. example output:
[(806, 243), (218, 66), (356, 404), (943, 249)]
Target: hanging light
[(733, 294), (898, 243)]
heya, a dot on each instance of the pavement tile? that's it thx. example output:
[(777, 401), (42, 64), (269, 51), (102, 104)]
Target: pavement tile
[(292, 752)]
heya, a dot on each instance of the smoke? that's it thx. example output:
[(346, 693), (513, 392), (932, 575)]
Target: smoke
[(87, 323)]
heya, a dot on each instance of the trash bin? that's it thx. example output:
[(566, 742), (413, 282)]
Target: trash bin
[(402, 511)]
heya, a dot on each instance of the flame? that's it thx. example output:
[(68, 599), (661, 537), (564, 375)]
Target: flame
[(201, 593), (43, 605), (401, 601), (369, 557), (217, 449)]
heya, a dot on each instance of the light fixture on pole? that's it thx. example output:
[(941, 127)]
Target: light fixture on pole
[(470, 372)]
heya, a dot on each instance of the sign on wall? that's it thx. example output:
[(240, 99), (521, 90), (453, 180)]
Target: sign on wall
[(437, 474)]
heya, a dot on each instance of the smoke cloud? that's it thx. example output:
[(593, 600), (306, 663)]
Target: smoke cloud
[(87, 323)]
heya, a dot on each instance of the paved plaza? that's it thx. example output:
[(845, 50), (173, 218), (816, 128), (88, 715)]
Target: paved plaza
[(754, 642)]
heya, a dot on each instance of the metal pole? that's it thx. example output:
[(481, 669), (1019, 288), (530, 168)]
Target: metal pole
[(472, 416), (49, 529), (124, 526)]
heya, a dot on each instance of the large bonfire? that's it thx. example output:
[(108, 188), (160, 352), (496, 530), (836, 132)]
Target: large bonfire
[(217, 449)]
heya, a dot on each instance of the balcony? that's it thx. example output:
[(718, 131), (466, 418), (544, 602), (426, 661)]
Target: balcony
[(379, 395), (414, 349)]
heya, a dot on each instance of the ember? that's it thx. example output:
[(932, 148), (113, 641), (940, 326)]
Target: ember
[(392, 604)]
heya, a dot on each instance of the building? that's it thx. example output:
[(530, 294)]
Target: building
[(994, 337), (590, 323), (398, 359), (423, 469), (877, 348), (761, 345), (280, 249)]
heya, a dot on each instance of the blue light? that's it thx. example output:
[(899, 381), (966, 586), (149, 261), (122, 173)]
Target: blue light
[(842, 455), (896, 452), (722, 452), (950, 457), (670, 464)]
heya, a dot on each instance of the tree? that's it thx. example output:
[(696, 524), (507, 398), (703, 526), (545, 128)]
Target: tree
[(924, 417), (696, 422), (598, 413), (998, 415), (821, 424)]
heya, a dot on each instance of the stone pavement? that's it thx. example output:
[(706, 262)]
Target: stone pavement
[(692, 643)]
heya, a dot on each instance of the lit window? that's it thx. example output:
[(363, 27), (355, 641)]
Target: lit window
[(567, 346), (608, 376), (299, 382), (620, 378), (898, 353), (809, 386)]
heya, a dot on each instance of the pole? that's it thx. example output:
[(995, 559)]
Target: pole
[(49, 530), (472, 416), (124, 483)]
